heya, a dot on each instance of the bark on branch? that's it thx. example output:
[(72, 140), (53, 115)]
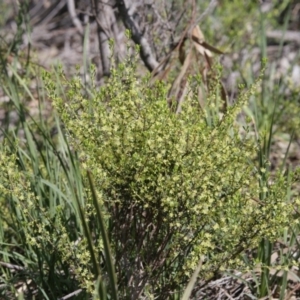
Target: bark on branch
[(137, 36), (102, 14)]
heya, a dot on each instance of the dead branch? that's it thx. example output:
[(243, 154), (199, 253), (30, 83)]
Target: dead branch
[(137, 36), (102, 13), (73, 15)]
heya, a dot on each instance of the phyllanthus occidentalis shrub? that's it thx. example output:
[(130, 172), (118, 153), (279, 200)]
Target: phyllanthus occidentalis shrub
[(175, 189)]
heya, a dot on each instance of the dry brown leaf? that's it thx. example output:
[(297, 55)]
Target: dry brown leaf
[(181, 95), (206, 46), (198, 37), (177, 84), (195, 57)]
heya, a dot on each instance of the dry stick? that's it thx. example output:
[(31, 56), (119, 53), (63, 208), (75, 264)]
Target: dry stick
[(103, 35), (287, 36), (75, 20), (290, 293), (225, 292), (52, 12), (99, 23), (71, 294), (11, 266), (119, 47), (137, 36)]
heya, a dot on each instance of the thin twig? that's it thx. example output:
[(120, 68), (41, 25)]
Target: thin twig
[(73, 15), (137, 36), (286, 36), (71, 294), (11, 266)]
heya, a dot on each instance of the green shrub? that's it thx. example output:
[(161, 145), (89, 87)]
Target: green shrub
[(175, 189), (39, 228)]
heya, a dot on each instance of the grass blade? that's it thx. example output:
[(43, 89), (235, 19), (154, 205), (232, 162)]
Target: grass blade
[(188, 291), (107, 250)]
